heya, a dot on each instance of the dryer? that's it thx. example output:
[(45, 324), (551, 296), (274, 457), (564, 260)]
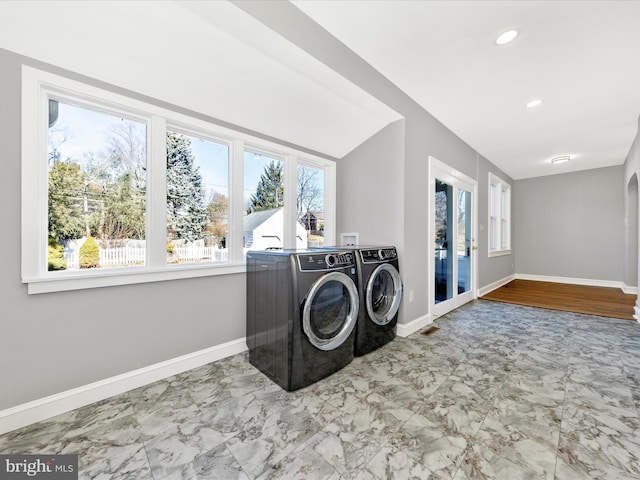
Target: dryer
[(302, 308), (380, 297)]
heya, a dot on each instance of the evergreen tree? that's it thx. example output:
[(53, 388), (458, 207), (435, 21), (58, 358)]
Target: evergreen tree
[(270, 190), (187, 213), (66, 194)]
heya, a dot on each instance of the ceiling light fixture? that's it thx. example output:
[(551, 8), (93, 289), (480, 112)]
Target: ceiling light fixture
[(507, 37), (561, 159), (534, 103)]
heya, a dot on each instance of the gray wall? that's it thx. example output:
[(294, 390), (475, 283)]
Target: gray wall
[(372, 212), (53, 342), (571, 225)]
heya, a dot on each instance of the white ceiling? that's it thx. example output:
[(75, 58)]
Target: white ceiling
[(209, 57), (582, 58)]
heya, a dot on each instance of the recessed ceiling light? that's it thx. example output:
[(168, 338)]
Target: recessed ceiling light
[(534, 103), (561, 159), (507, 37)]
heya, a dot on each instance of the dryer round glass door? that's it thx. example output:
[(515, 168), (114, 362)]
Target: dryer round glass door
[(384, 293), (330, 311)]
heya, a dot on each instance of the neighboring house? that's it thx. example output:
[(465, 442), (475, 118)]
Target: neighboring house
[(313, 222), (263, 230)]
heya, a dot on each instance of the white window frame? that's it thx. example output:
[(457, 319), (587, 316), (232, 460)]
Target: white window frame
[(499, 217), (38, 85)]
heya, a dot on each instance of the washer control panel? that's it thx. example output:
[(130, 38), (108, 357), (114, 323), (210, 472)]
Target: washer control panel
[(325, 261), (377, 255)]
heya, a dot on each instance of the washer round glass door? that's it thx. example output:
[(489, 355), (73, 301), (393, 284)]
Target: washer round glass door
[(384, 293), (330, 311)]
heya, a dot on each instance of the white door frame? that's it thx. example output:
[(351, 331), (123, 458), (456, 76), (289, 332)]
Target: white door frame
[(451, 176)]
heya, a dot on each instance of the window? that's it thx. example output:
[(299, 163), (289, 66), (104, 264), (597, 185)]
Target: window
[(310, 198), (197, 199), (118, 191), (263, 223), (499, 216), (96, 183)]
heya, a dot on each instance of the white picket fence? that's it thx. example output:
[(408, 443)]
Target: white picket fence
[(118, 257), (194, 253)]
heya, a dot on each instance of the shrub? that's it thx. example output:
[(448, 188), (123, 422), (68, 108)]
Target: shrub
[(89, 254), (55, 256)]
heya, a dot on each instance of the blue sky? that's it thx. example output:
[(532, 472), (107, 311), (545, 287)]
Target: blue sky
[(85, 131)]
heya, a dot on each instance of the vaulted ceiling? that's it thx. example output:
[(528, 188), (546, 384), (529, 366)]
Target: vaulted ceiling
[(206, 56)]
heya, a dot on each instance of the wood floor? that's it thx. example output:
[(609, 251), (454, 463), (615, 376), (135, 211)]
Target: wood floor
[(602, 301)]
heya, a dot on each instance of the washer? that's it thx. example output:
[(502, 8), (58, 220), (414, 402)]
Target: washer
[(302, 308)]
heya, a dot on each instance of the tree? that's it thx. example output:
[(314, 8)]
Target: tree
[(117, 190), (122, 211), (89, 254), (127, 152), (187, 214), (310, 196), (55, 256), (218, 217), (270, 189), (67, 184)]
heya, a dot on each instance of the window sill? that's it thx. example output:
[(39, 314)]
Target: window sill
[(499, 253), (57, 282)]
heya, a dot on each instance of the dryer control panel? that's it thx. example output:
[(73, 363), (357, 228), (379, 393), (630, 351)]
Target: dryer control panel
[(377, 255), (325, 260)]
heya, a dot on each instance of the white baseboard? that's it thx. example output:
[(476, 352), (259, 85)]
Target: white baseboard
[(574, 281), (636, 315), (495, 285), (629, 290), (47, 407), (406, 329)]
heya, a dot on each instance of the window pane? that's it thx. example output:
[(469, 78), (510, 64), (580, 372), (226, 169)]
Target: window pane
[(197, 199), (443, 244), (504, 238), (493, 233), (310, 204), (494, 200), (464, 241), (504, 217), (96, 189), (263, 224), (504, 204)]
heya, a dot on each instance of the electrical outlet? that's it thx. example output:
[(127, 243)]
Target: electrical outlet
[(410, 296)]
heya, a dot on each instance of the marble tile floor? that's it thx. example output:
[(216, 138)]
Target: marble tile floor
[(498, 392)]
